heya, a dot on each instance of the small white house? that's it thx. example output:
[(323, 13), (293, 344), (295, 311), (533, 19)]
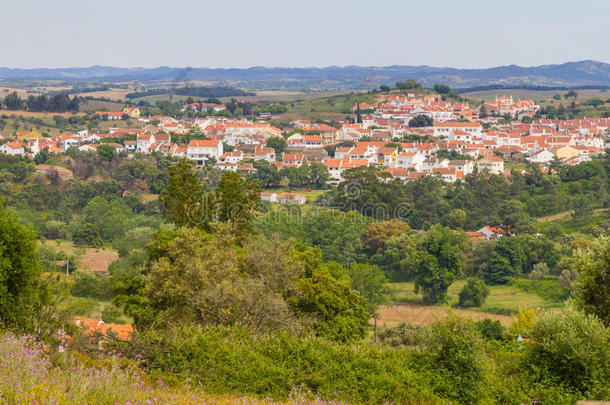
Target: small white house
[(270, 197), (12, 148)]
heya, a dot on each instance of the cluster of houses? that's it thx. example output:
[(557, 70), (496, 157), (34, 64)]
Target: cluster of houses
[(376, 140)]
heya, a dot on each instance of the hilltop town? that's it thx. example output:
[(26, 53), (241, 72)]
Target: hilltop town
[(455, 141)]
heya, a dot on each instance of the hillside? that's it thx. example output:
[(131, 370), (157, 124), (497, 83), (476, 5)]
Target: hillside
[(581, 73)]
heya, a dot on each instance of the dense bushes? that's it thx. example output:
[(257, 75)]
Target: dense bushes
[(572, 349), (473, 294), (235, 360)]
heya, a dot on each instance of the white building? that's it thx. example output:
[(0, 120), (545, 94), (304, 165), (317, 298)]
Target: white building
[(201, 150), (12, 148)]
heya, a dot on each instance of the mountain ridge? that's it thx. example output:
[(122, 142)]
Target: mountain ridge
[(568, 74)]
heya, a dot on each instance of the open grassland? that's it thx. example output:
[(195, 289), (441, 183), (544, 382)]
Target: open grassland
[(96, 260), (13, 123), (326, 106), (502, 300), (535, 94), (310, 195), (568, 223)]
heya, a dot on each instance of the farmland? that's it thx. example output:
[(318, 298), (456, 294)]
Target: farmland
[(535, 94)]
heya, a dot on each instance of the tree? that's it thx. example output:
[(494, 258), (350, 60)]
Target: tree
[(384, 88), (483, 111), (278, 144), (42, 156), (87, 235), (442, 89), (455, 219), (376, 234), (20, 271), (421, 121), (571, 94), (371, 283), (235, 201), (432, 280), (410, 84), (593, 285), (106, 152), (13, 101), (194, 277), (183, 199), (358, 116), (473, 294), (437, 263)]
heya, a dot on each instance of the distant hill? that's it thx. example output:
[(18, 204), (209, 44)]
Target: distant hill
[(570, 74)]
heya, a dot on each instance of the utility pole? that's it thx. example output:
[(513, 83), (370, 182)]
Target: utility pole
[(67, 266)]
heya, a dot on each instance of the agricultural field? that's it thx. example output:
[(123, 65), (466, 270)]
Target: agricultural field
[(535, 94), (326, 107), (502, 298), (425, 315), (94, 259), (96, 105), (111, 93)]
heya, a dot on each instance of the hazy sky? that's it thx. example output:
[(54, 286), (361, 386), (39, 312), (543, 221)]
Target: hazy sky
[(242, 33)]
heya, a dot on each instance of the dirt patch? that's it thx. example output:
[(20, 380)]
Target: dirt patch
[(97, 260), (427, 315)]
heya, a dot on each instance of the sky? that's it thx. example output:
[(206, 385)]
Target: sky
[(287, 33)]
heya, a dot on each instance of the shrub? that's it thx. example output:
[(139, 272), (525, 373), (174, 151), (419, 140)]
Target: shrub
[(490, 329), (405, 334), (112, 314), (550, 290), (455, 345), (473, 294), (522, 323), (87, 284), (540, 271), (572, 349)]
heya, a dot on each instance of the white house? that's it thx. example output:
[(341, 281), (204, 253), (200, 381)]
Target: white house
[(201, 150), (269, 196), (543, 156), (446, 128), (12, 148), (143, 141)]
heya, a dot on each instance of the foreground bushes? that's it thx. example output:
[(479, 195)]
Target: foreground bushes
[(572, 350), (30, 376), (452, 365), (567, 359)]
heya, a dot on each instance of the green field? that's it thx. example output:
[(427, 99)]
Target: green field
[(502, 298)]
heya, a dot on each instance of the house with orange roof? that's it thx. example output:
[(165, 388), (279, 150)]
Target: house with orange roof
[(201, 150), (52, 170), (448, 174), (92, 326), (296, 159), (492, 163), (13, 148), (110, 115)]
